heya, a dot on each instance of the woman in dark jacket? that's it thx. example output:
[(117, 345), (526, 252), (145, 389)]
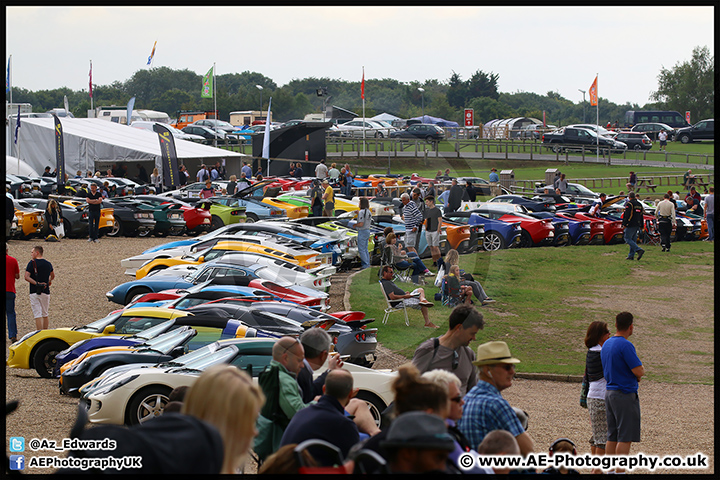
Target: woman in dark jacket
[(53, 217)]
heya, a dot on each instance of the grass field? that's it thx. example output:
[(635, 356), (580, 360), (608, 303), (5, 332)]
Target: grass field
[(546, 298)]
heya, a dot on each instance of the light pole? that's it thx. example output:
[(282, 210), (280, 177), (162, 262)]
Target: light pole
[(422, 96), (583, 92), (259, 87)]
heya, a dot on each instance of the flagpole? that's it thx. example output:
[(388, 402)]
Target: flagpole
[(363, 101), (91, 97), (10, 84), (597, 121), (215, 101)]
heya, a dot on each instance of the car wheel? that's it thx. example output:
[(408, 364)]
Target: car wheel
[(136, 292), (44, 357), (429, 139), (637, 147), (251, 218), (216, 222), (685, 138), (144, 233), (147, 404), (557, 148), (493, 241), (375, 403), (116, 231), (525, 239)]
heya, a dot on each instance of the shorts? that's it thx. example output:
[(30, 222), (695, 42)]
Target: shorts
[(410, 238), (39, 304), (433, 239), (413, 302), (623, 416), (598, 422)]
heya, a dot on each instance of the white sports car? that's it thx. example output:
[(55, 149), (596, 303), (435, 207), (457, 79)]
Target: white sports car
[(134, 395)]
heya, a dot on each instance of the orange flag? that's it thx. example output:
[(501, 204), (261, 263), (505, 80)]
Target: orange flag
[(594, 93)]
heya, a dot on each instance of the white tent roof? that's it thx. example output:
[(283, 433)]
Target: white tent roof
[(385, 116), (16, 166), (88, 141)]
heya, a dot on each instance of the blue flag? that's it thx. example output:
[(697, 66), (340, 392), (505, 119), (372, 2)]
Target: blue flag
[(17, 126)]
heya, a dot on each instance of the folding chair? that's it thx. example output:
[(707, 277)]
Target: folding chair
[(393, 308), (338, 468), (401, 274)]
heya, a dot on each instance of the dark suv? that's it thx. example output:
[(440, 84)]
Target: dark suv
[(703, 130), (652, 130), (635, 140), (421, 130)]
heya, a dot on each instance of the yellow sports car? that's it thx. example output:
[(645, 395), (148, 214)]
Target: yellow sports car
[(292, 211), (306, 259), (30, 221), (38, 348)]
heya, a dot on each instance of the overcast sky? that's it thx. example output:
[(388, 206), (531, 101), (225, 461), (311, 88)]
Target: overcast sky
[(540, 49)]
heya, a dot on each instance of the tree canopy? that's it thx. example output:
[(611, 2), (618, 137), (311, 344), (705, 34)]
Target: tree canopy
[(688, 86)]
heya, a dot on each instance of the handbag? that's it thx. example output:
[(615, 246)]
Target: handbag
[(584, 390), (60, 230), (439, 276)]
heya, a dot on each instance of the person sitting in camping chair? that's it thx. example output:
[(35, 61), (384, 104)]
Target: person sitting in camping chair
[(456, 293)]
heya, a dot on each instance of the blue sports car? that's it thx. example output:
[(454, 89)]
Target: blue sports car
[(577, 230), (498, 234)]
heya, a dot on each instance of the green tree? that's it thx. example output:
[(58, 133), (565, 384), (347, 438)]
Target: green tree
[(689, 85)]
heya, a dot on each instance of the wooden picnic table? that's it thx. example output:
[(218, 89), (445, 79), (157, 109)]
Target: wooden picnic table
[(646, 183)]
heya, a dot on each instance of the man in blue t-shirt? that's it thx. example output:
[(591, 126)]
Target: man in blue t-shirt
[(622, 370)]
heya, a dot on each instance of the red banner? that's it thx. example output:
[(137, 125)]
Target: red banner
[(594, 93)]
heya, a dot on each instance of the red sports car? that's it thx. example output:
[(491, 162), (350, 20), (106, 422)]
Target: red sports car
[(535, 232), (197, 217)]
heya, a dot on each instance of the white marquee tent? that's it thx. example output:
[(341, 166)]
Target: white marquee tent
[(92, 144)]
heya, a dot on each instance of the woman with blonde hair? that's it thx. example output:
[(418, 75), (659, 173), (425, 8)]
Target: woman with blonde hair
[(226, 398), (452, 257), (156, 180), (53, 219)]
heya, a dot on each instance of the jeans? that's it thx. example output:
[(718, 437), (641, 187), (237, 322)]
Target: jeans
[(631, 235), (10, 314), (417, 264), (93, 224), (363, 237), (711, 226)]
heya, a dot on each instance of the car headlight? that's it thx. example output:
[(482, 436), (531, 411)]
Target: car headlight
[(116, 385)]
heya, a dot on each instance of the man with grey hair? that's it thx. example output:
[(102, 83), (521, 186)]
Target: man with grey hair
[(326, 419)]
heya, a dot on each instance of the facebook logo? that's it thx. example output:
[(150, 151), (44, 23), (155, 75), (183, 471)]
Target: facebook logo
[(17, 462), (17, 444)]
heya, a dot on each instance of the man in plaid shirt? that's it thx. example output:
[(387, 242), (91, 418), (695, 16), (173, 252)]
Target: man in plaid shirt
[(413, 218), (485, 409)]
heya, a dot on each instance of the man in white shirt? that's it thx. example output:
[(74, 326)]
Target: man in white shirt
[(321, 170)]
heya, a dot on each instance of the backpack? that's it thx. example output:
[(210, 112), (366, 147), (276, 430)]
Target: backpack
[(269, 382)]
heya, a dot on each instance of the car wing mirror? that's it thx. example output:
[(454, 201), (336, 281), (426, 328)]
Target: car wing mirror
[(109, 329)]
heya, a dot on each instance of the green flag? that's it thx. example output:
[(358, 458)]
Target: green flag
[(207, 88)]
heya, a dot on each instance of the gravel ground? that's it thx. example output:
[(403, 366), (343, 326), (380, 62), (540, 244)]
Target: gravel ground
[(677, 418)]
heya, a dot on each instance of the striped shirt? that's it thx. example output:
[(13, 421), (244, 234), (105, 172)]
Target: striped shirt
[(412, 215), (486, 410)]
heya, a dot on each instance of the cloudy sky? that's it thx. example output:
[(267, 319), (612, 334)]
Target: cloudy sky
[(541, 49)]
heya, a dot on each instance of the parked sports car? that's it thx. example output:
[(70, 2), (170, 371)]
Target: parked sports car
[(30, 220), (161, 349), (130, 219), (535, 232), (197, 217), (38, 348), (612, 229), (540, 205), (597, 227), (168, 218), (74, 218), (134, 396), (578, 231), (498, 234)]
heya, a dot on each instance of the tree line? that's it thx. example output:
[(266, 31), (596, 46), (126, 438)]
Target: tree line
[(687, 86)]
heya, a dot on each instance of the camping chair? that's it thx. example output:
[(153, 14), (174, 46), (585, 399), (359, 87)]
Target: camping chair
[(651, 233), (303, 468), (451, 295), (401, 274), (393, 308)]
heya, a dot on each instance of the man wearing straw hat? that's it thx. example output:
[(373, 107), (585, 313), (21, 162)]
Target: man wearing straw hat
[(485, 409)]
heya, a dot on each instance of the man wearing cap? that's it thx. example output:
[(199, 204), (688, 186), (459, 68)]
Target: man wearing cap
[(485, 408), (622, 370), (328, 198), (632, 221), (450, 351), (418, 442)]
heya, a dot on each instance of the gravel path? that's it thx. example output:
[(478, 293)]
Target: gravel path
[(677, 418)]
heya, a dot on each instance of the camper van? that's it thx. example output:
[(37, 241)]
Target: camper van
[(248, 117), (668, 117), (117, 114)]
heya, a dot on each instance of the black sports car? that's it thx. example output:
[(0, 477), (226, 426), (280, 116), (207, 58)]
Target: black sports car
[(75, 219), (131, 218)]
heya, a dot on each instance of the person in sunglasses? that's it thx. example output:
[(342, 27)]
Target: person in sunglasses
[(485, 409), (450, 351)]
